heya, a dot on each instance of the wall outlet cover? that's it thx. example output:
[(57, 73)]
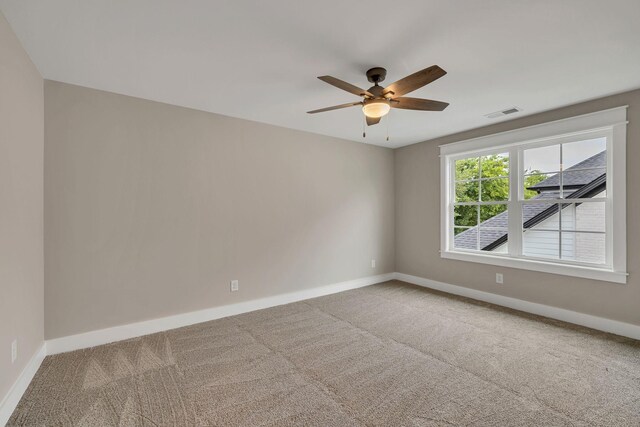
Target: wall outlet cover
[(234, 286)]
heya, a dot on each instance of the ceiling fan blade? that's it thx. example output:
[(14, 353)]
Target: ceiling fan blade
[(373, 120), (335, 107), (346, 86), (415, 81), (407, 103)]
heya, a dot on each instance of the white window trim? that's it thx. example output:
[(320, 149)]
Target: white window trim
[(613, 123)]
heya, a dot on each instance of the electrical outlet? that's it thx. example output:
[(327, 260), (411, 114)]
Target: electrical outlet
[(499, 278), (234, 286), (14, 350), (373, 263)]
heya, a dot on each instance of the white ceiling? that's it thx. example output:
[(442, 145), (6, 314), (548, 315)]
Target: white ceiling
[(259, 60)]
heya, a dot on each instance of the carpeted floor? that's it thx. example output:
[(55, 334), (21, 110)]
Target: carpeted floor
[(390, 354)]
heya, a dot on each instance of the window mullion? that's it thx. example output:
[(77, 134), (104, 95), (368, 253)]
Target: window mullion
[(612, 170), (514, 205), (450, 207)]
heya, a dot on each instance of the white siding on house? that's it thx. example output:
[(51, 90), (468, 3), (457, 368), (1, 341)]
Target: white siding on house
[(576, 246), (546, 244), (591, 247)]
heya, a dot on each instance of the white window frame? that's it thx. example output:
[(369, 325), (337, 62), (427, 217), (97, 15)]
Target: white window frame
[(612, 124)]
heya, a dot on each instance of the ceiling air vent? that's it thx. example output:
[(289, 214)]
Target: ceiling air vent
[(505, 112)]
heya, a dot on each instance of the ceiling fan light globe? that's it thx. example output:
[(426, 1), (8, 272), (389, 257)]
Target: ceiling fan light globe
[(376, 109)]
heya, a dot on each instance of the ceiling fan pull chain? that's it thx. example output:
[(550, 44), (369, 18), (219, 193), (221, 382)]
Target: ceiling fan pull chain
[(364, 134), (388, 118)]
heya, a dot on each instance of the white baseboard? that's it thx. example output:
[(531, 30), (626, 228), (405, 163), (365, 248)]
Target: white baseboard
[(133, 330), (12, 398), (600, 323)]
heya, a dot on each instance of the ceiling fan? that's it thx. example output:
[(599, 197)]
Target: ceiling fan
[(379, 100)]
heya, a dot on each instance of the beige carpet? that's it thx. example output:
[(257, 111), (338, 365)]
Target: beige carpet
[(390, 354)]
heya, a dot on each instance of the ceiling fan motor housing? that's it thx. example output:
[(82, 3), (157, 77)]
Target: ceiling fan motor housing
[(376, 91), (376, 75)]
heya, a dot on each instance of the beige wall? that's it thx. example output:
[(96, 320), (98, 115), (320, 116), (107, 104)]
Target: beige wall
[(152, 209), (417, 184), (21, 264)]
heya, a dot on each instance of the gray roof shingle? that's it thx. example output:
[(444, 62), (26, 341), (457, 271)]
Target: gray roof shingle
[(577, 175)]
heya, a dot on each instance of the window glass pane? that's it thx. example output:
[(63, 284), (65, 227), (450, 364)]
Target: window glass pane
[(584, 154), (495, 165), (493, 229), (541, 230), (548, 216), (458, 230), (465, 216), (466, 238), (496, 189), (492, 238), (540, 215), (502, 249), (543, 159), (568, 216), (573, 180), (590, 217), (584, 247), (541, 244), (494, 216), (468, 168), (568, 246), (467, 191), (545, 184)]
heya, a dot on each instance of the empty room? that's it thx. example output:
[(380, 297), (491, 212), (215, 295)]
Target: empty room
[(339, 213)]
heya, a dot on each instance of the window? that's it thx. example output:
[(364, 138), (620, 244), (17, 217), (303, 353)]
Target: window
[(548, 198)]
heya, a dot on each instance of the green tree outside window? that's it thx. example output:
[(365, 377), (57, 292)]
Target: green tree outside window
[(494, 186)]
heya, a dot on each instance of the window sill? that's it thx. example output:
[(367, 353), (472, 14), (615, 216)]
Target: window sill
[(535, 265)]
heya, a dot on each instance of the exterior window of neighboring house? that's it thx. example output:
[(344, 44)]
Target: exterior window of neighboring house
[(548, 198)]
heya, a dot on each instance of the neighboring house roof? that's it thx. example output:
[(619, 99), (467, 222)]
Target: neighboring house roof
[(577, 175), (586, 183)]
